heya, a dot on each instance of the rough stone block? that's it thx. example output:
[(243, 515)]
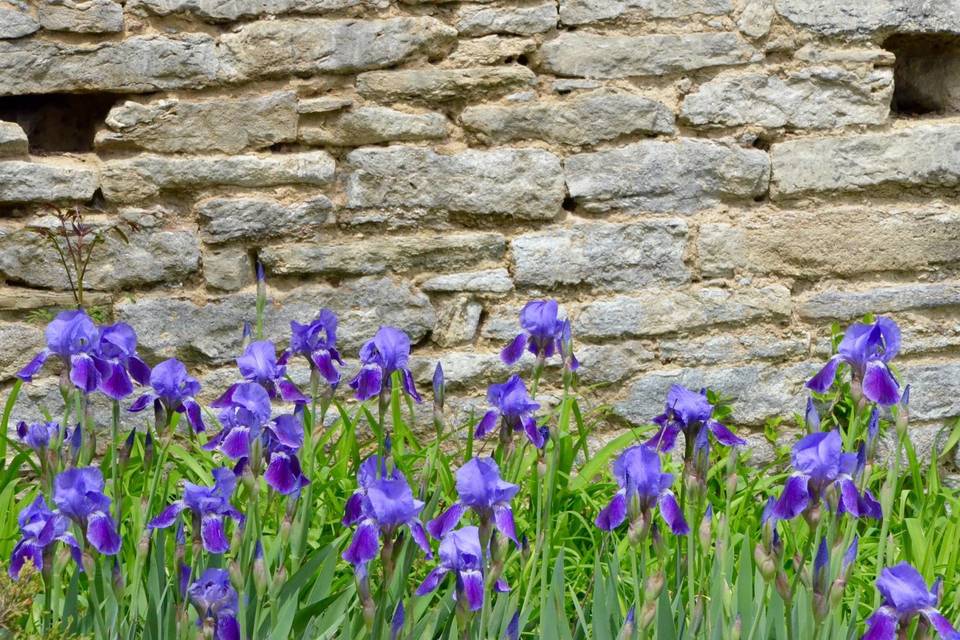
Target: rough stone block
[(871, 16), (13, 140), (15, 20), (921, 155), (153, 257), (682, 176), (439, 85), (581, 119), (604, 256), (481, 20), (373, 125), (837, 304), (231, 10), (586, 11), (305, 46), (490, 50), (815, 98), (20, 341), (380, 254), (170, 327), (522, 183), (654, 312), (227, 268), (81, 16), (831, 242), (137, 64), (52, 180), (486, 281), (224, 124), (251, 219), (147, 175), (607, 56), (457, 322)]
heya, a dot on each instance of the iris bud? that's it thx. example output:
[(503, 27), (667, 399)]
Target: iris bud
[(648, 614), (236, 575), (705, 531), (783, 586), (836, 592), (279, 578), (737, 628), (654, 586), (768, 568), (143, 546)]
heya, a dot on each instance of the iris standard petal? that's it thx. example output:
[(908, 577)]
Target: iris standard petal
[(613, 515), (823, 380), (446, 521), (672, 514), (879, 385), (102, 533), (794, 499), (513, 351)]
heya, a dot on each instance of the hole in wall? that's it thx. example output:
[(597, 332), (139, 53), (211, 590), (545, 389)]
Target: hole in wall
[(58, 122), (569, 204), (926, 73)]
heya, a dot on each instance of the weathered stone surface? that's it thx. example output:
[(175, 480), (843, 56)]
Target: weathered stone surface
[(523, 183), (727, 348), (610, 363), (438, 85), (147, 175), (225, 219), (921, 155), (865, 18), (654, 312), (373, 125), (169, 327), (16, 21), (486, 281), (20, 342), (457, 322), (684, 176), (230, 10), (305, 46), (461, 369), (324, 104), (81, 16), (224, 124), (760, 391), (378, 255), (756, 18), (490, 50), (581, 119), (838, 304), (46, 181), (601, 56), (13, 140), (604, 256), (816, 98), (831, 242), (862, 53), (934, 389), (20, 299), (137, 64), (149, 258), (585, 11), (228, 268), (481, 20)]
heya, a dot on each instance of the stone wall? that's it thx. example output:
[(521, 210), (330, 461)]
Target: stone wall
[(705, 184)]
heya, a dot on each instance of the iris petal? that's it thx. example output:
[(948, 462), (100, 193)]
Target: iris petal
[(446, 521), (613, 515), (432, 581), (513, 351), (672, 514), (102, 533), (473, 588), (503, 518), (212, 533), (824, 378), (879, 385), (794, 499)]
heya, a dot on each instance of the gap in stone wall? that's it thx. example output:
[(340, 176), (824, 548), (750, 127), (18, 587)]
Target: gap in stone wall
[(58, 122), (927, 73)]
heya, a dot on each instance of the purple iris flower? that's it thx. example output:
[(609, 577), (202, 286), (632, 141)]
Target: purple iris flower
[(389, 351), (514, 409), (317, 342), (482, 490), (38, 435), (370, 470), (174, 390), (642, 485), (905, 595), (116, 361), (246, 422), (819, 463), (40, 527), (79, 495), (259, 364), (209, 506), (386, 503), (462, 555), (543, 333), (73, 337), (688, 412), (216, 600), (867, 348)]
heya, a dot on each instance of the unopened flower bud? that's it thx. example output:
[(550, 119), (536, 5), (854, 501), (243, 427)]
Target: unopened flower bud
[(737, 628), (732, 481), (654, 585), (87, 561), (279, 578), (705, 529), (812, 516), (236, 575), (836, 592), (143, 545), (696, 620), (638, 529), (765, 563), (783, 586), (821, 607), (649, 613)]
